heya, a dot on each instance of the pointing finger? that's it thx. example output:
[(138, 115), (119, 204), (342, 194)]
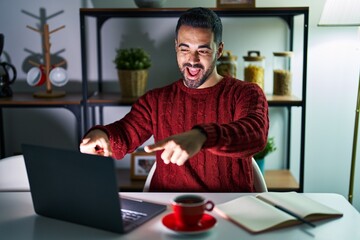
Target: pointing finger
[(154, 147)]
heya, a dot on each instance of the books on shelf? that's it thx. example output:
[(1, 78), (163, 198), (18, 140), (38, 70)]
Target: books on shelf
[(272, 210)]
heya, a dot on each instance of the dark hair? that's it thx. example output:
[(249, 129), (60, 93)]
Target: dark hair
[(201, 18)]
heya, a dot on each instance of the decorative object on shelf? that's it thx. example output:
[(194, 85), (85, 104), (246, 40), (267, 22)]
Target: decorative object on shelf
[(282, 73), (36, 76), (235, 3), (345, 14), (227, 65), (58, 76), (7, 73), (132, 65), (47, 73), (260, 156), (254, 68), (141, 163), (150, 3), (6, 79)]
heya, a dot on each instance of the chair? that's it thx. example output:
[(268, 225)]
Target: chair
[(259, 181), (13, 175), (149, 177)]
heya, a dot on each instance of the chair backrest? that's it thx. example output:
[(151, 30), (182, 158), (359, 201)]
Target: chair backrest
[(148, 178), (259, 181)]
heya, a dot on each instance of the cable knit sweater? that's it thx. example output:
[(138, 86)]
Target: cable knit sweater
[(234, 116)]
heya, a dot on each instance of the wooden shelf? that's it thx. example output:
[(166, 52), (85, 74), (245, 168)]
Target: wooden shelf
[(116, 99), (110, 99), (27, 99), (276, 180), (280, 180), (275, 100)]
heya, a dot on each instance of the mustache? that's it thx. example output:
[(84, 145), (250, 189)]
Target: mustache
[(193, 66)]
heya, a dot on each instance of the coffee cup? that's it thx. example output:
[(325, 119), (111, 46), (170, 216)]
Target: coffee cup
[(189, 209), (58, 76), (36, 76)]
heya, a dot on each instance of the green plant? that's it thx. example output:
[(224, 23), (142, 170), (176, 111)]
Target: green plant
[(132, 59), (269, 148)]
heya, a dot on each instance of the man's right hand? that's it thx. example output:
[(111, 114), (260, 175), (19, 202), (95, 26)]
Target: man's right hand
[(96, 142)]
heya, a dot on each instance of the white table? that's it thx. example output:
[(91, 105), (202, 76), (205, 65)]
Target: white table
[(19, 221)]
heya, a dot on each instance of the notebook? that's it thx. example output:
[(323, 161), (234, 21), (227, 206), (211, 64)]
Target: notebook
[(81, 188), (273, 210)]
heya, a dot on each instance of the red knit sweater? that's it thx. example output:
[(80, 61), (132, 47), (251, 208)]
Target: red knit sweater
[(234, 115)]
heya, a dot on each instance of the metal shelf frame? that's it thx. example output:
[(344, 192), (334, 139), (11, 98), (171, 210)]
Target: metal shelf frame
[(287, 14)]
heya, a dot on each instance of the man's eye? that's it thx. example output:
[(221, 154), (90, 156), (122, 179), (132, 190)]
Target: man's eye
[(204, 52)]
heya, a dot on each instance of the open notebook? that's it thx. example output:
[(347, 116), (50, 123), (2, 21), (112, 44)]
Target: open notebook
[(260, 213)]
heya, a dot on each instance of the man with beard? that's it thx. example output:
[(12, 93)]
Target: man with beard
[(206, 127)]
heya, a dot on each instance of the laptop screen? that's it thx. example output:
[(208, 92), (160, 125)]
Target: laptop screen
[(76, 187)]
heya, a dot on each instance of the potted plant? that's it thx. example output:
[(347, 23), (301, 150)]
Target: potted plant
[(132, 65), (260, 156)]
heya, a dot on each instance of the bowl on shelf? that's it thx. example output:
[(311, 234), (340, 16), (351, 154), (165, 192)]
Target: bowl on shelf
[(150, 3)]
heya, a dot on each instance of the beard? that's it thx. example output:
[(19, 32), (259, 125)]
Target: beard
[(200, 80)]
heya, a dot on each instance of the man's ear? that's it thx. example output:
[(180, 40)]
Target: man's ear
[(220, 50), (175, 45)]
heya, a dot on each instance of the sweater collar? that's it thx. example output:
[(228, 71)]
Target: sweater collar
[(194, 91)]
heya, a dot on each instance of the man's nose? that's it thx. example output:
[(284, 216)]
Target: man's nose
[(194, 57)]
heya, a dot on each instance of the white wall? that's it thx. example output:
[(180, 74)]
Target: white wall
[(333, 72)]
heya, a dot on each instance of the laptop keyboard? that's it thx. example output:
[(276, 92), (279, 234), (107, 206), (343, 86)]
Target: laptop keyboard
[(131, 216)]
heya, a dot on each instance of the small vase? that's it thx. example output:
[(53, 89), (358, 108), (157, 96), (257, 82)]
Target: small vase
[(261, 163), (132, 82)]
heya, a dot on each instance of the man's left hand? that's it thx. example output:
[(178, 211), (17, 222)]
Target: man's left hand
[(179, 148)]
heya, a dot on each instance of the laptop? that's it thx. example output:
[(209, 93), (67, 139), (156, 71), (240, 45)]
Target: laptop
[(82, 188)]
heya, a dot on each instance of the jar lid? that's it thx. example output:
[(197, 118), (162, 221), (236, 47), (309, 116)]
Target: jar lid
[(283, 54), (227, 56), (251, 58)]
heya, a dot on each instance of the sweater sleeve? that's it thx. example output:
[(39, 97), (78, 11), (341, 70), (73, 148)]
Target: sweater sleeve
[(247, 133), (128, 133)]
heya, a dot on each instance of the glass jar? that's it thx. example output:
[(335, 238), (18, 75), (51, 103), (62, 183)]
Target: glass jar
[(254, 68), (227, 64), (282, 73)]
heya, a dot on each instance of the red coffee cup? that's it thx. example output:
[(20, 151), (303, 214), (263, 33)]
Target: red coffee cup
[(189, 209), (36, 76)]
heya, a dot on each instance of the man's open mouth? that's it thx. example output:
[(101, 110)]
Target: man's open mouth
[(193, 72)]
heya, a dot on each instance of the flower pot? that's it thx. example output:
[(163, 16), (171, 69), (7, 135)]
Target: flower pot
[(132, 82), (261, 163)]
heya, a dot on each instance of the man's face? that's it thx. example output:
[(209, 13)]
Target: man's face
[(196, 54)]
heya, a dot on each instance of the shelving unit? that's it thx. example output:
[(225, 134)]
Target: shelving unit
[(276, 180), (71, 102)]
